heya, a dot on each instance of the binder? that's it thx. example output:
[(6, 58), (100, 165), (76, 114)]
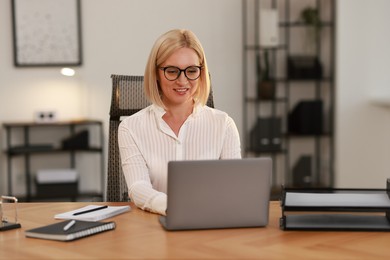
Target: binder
[(336, 209), (306, 118), (266, 135)]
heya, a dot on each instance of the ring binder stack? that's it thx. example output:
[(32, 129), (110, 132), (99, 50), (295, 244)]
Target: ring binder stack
[(336, 209)]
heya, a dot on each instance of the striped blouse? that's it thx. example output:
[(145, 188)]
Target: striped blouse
[(147, 144)]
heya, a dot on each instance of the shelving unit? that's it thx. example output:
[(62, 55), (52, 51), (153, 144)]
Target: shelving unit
[(315, 146), (20, 144)]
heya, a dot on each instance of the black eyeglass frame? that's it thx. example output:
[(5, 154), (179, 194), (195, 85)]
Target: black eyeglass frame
[(180, 71)]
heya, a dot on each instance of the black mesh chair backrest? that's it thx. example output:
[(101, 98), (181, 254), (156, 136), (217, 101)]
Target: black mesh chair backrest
[(128, 97)]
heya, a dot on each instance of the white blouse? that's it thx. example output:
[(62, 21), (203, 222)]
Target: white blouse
[(147, 144)]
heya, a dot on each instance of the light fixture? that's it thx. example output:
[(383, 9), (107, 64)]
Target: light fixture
[(67, 72)]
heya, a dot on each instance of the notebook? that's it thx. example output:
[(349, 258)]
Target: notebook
[(93, 214), (210, 194), (79, 230)]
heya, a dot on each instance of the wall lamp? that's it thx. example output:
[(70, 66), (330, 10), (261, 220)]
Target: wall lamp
[(68, 72)]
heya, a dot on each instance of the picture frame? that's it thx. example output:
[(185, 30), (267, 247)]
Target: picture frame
[(47, 33)]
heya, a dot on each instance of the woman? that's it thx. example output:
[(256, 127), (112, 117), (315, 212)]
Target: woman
[(178, 125)]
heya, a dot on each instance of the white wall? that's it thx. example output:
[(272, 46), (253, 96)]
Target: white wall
[(363, 71), (117, 38)]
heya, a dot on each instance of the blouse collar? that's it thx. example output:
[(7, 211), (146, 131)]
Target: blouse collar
[(159, 111)]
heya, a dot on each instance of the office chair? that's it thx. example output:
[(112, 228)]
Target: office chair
[(127, 98)]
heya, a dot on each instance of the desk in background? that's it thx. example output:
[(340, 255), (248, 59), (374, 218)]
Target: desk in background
[(139, 235)]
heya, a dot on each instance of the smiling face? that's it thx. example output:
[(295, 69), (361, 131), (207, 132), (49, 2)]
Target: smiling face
[(182, 90)]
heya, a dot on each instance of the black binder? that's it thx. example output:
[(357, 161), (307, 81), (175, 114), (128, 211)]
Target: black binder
[(266, 135), (336, 209), (306, 118)]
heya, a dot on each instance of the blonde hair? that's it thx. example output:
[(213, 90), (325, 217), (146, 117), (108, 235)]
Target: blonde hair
[(162, 49)]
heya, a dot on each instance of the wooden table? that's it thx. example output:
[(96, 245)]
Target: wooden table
[(139, 235)]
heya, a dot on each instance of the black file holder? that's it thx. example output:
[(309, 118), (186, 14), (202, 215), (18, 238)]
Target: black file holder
[(336, 209)]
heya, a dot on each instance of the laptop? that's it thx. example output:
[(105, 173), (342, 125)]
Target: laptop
[(212, 194)]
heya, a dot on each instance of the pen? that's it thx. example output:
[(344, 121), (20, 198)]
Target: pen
[(89, 210), (69, 225)]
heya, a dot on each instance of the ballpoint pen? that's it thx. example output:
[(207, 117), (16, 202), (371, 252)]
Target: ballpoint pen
[(89, 210), (69, 225)]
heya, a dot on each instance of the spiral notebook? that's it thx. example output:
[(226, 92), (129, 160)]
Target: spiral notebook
[(93, 212), (79, 230)]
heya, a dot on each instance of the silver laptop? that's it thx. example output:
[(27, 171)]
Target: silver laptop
[(212, 194)]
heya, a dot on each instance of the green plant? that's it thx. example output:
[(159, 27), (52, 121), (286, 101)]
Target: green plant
[(311, 17), (265, 81), (263, 72)]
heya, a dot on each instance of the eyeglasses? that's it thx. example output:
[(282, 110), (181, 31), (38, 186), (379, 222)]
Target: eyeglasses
[(172, 73)]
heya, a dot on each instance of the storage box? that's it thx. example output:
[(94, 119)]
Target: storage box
[(54, 183), (77, 141), (304, 67)]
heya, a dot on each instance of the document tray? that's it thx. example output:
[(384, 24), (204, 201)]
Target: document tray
[(336, 209)]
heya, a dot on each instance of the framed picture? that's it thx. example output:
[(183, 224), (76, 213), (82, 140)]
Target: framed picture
[(47, 32)]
